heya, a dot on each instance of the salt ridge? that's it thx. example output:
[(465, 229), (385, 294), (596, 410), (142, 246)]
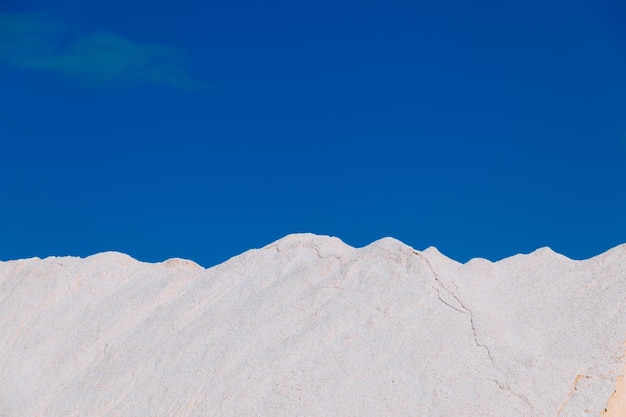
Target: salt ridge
[(311, 326)]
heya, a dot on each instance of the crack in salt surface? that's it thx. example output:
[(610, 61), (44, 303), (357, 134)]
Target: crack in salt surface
[(510, 391), (330, 255), (573, 389), (317, 252), (466, 310), (446, 303)]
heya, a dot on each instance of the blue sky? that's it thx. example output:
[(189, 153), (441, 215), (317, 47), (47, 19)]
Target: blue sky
[(202, 129)]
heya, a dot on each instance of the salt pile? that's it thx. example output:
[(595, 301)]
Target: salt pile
[(309, 326)]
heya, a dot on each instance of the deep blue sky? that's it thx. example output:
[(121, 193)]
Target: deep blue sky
[(203, 129)]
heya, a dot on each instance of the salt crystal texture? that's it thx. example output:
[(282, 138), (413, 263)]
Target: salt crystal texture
[(309, 326)]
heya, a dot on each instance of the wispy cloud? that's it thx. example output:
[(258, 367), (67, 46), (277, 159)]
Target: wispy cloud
[(95, 58)]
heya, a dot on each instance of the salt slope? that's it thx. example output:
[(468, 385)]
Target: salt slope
[(308, 326)]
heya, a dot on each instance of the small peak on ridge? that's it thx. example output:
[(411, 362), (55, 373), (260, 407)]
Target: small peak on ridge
[(543, 251), (432, 253), (179, 263), (389, 244), (308, 240), (111, 256)]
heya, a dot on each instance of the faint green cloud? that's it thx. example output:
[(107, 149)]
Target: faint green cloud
[(95, 58)]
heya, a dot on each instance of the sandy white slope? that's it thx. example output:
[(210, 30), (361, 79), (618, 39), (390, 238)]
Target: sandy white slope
[(309, 326)]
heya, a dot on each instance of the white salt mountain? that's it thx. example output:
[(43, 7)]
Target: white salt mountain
[(309, 326)]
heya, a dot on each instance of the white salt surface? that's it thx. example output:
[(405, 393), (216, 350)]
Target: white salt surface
[(308, 326)]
